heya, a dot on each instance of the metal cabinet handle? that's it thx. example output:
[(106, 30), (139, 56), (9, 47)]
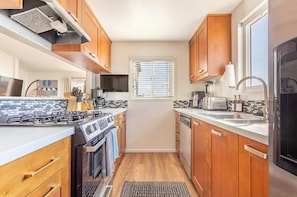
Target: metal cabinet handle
[(191, 76), (255, 152), (106, 66), (73, 16), (201, 71), (53, 189), (216, 133), (196, 123), (93, 55), (33, 173)]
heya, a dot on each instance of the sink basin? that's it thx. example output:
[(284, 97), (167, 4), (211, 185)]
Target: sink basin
[(246, 121), (234, 116)]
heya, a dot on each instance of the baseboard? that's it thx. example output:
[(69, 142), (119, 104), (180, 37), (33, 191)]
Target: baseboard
[(150, 151)]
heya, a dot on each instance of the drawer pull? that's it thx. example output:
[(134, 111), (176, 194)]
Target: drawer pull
[(255, 152), (33, 173), (191, 76), (216, 133), (201, 71), (93, 55), (53, 189)]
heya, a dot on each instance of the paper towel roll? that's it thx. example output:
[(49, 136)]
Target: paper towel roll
[(229, 75)]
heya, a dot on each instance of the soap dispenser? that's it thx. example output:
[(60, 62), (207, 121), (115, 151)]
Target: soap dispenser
[(238, 105), (233, 104)]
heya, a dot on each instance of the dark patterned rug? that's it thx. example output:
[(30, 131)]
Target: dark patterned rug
[(154, 189)]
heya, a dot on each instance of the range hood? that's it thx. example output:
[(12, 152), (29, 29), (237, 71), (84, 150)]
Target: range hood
[(50, 20)]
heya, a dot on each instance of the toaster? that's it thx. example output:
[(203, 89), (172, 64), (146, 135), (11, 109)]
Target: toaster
[(214, 103)]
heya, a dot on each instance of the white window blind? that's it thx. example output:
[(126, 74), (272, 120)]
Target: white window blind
[(153, 78)]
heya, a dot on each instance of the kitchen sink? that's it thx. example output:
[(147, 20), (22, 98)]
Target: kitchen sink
[(234, 116), (246, 121)]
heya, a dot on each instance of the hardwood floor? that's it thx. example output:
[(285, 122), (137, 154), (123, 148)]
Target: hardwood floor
[(150, 167)]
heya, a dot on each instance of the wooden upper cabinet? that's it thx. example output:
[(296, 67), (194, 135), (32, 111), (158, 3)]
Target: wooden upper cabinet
[(224, 163), (213, 47), (105, 49), (11, 4), (253, 168), (90, 25), (71, 6), (93, 55)]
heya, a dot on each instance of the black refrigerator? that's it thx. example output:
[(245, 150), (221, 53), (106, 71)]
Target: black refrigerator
[(282, 98)]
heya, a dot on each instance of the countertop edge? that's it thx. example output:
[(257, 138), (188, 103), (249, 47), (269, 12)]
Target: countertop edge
[(20, 151), (234, 129)]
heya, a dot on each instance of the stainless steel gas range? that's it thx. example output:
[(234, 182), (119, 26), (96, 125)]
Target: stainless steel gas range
[(89, 174)]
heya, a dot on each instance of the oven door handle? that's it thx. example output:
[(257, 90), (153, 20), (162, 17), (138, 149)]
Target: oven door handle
[(92, 149)]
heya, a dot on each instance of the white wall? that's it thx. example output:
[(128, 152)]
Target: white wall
[(239, 13), (9, 65), (151, 123)]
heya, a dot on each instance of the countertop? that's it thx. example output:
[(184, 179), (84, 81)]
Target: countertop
[(257, 132), (16, 142)]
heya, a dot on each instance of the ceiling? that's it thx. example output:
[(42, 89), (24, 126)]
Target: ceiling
[(155, 20), (126, 20)]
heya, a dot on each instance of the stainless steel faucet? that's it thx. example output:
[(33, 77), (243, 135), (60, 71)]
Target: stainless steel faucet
[(265, 111)]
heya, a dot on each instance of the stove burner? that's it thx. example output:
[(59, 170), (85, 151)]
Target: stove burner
[(55, 118)]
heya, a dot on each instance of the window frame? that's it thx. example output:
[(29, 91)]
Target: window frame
[(244, 44), (131, 80)]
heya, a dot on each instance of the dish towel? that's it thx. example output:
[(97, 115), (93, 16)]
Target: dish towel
[(109, 154), (115, 143)]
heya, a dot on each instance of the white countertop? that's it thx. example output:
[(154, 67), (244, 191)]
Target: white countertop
[(16, 142), (257, 132)]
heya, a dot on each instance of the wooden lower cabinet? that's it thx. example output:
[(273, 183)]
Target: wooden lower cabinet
[(43, 172), (11, 4), (224, 163), (177, 133), (227, 164), (201, 157), (120, 123), (253, 168)]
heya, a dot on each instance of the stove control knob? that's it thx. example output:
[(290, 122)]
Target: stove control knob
[(95, 126), (89, 129)]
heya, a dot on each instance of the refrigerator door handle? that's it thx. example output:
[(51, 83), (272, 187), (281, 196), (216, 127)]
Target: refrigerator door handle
[(255, 152)]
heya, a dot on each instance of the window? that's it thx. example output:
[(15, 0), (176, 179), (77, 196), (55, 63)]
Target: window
[(255, 45), (152, 78)]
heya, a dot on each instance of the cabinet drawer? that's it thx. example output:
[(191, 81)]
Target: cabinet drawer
[(28, 172), (50, 188)]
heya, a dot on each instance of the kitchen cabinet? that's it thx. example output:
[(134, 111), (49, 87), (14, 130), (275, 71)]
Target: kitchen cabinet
[(177, 133), (201, 157), (224, 162), (93, 55), (71, 6), (11, 4), (120, 123), (43, 172), (253, 168), (210, 47)]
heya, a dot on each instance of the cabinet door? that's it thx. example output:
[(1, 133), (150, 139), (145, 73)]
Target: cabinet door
[(105, 47), (11, 4), (224, 148), (71, 6), (89, 24), (202, 49), (253, 168), (201, 157), (193, 58)]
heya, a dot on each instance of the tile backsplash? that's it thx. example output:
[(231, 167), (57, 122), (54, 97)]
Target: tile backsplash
[(251, 107), (20, 106)]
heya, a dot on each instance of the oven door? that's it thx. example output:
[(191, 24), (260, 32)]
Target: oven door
[(93, 161)]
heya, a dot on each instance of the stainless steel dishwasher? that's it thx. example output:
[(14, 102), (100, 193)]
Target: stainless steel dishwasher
[(185, 143)]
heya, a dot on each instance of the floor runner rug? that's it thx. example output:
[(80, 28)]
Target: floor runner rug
[(154, 189)]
